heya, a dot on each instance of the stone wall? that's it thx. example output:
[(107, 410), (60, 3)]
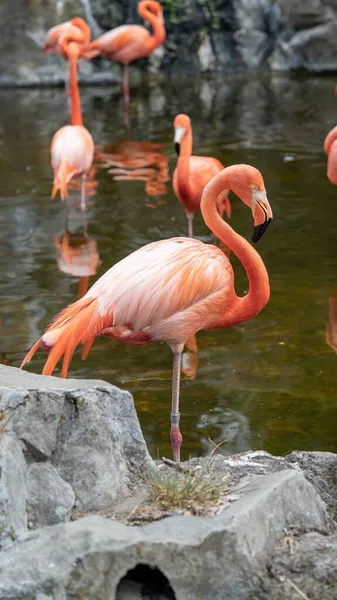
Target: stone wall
[(202, 35)]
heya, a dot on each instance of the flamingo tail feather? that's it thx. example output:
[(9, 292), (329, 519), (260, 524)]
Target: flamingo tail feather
[(77, 324)]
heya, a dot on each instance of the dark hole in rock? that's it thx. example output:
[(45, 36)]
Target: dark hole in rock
[(144, 583)]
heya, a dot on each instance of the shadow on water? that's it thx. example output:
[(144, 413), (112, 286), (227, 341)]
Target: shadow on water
[(268, 383)]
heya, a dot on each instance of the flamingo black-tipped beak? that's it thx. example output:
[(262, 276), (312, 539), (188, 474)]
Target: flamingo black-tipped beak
[(179, 133), (260, 229)]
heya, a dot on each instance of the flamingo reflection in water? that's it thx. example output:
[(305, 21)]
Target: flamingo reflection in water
[(132, 160), (77, 255), (331, 330)]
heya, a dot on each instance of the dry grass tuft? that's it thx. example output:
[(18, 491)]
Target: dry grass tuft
[(192, 491), (3, 421)]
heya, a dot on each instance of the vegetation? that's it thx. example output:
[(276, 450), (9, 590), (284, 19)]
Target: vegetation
[(3, 421), (195, 492)]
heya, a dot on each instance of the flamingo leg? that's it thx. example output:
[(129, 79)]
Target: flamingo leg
[(126, 93), (190, 224), (83, 203), (176, 437)]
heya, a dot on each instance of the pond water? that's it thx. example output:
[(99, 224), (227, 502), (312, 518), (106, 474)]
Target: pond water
[(265, 384)]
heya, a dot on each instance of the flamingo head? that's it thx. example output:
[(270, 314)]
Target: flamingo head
[(248, 184), (151, 6), (182, 125)]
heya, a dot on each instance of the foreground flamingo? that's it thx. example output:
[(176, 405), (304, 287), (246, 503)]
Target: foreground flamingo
[(330, 148), (127, 43), (193, 173), (72, 147), (170, 289)]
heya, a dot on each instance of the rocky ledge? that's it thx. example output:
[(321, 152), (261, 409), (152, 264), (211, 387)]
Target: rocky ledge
[(74, 477), (202, 36)]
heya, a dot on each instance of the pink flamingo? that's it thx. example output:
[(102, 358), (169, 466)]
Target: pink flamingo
[(77, 28), (170, 289), (127, 43), (193, 173), (330, 148)]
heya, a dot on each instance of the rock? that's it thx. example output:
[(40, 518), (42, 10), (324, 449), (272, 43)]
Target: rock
[(88, 431), (23, 27), (308, 562), (320, 468), (49, 498), (13, 518), (201, 36), (221, 557), (101, 450)]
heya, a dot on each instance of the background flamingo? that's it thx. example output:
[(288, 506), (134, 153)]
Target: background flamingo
[(193, 173), (127, 43), (330, 147), (77, 28), (79, 31), (170, 289), (72, 147)]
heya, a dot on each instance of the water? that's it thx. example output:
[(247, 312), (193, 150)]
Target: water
[(268, 383)]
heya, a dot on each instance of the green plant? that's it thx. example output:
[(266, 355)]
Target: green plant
[(193, 491)]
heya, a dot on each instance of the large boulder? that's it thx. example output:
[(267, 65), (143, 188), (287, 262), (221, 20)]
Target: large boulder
[(218, 557), (81, 440)]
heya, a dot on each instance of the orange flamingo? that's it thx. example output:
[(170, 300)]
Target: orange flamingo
[(72, 147), (330, 148), (170, 289), (193, 173), (77, 28), (127, 43)]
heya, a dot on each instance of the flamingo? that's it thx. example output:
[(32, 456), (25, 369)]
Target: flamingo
[(193, 173), (72, 147), (330, 148), (170, 289), (77, 27), (127, 43)]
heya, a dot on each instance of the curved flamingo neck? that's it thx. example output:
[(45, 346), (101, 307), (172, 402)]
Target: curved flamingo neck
[(183, 164), (259, 290), (85, 29), (75, 100), (156, 21), (330, 139)]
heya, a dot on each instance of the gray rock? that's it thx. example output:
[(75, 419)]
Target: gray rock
[(13, 518), (23, 27), (308, 562), (319, 468), (202, 558), (101, 451), (49, 498), (88, 430)]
